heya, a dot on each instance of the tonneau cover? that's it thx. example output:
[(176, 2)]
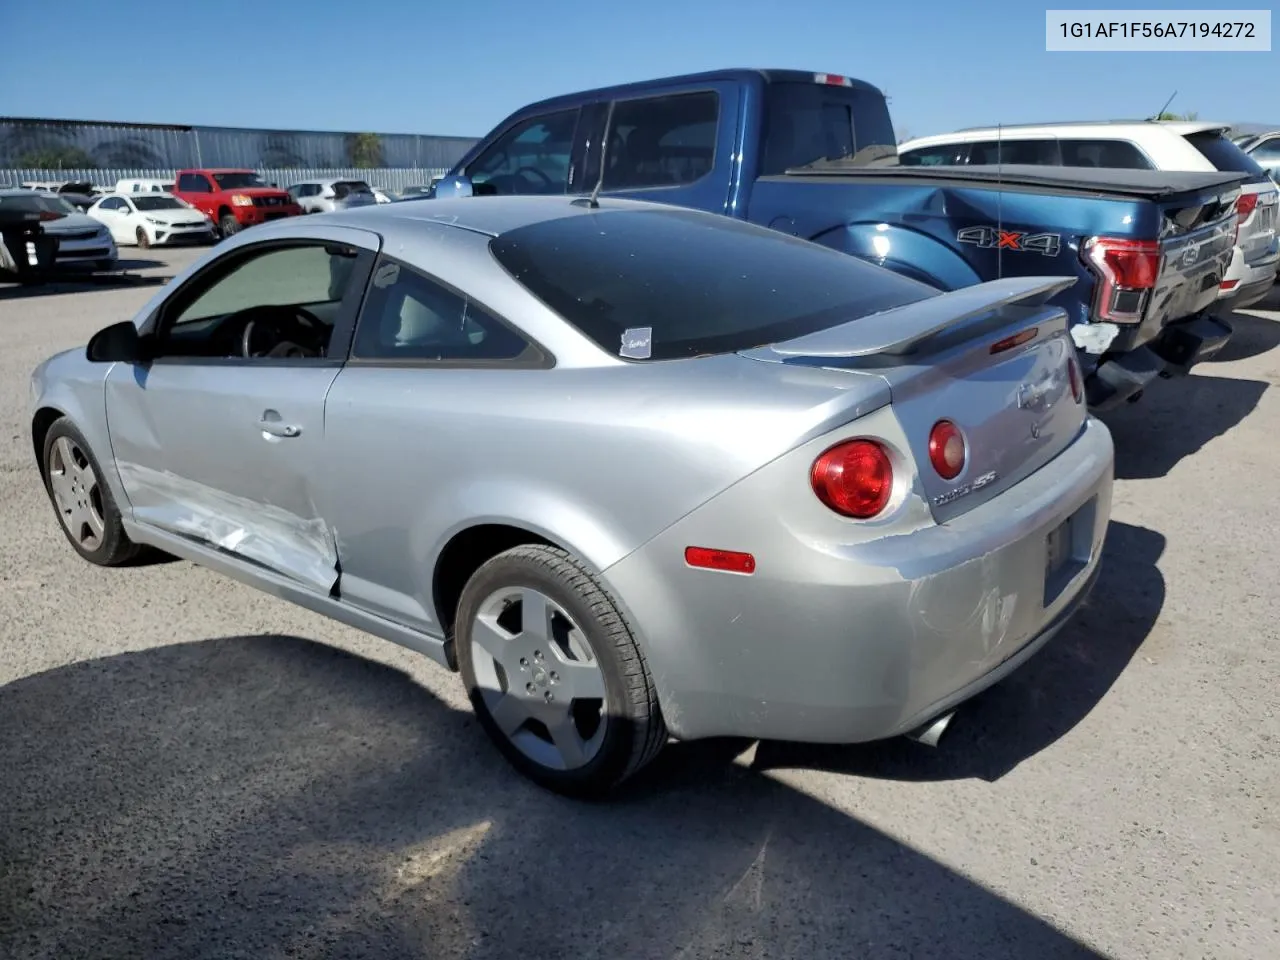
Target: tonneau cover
[(1152, 184)]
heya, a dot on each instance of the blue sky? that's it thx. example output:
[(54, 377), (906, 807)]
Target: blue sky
[(399, 66)]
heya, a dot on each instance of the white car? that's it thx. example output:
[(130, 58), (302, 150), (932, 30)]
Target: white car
[(152, 219), (143, 185), (1141, 145), (326, 196)]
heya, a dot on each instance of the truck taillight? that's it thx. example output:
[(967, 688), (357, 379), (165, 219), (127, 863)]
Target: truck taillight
[(1127, 271)]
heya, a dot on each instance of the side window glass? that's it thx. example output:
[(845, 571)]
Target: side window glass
[(193, 183), (662, 141), (530, 158), (292, 294), (1103, 153), (1036, 152), (943, 156), (1268, 153), (407, 316)]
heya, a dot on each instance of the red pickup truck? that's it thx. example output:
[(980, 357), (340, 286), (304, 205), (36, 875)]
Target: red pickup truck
[(233, 198)]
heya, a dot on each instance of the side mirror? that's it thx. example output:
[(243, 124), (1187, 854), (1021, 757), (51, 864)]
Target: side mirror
[(117, 343), (454, 186)]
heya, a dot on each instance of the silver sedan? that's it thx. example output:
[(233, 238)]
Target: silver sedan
[(635, 472)]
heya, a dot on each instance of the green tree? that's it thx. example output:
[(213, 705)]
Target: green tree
[(56, 158), (1166, 115), (364, 150)]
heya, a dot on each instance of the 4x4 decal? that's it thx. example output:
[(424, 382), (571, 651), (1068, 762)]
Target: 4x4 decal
[(1049, 244)]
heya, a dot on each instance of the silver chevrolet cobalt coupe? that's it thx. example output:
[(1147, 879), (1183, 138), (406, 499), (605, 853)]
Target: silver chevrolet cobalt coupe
[(635, 472)]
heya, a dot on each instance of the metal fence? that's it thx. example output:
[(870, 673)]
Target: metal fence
[(34, 142), (392, 178)]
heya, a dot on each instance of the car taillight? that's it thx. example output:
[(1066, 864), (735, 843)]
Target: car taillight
[(946, 449), (854, 478), (1073, 374), (1127, 271), (1245, 205)]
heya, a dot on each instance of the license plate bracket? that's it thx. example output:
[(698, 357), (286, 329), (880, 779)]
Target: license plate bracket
[(1066, 551)]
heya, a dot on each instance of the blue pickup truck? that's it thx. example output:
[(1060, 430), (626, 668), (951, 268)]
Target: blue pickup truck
[(814, 155)]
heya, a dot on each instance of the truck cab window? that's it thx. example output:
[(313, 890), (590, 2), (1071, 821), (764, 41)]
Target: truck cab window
[(661, 141), (530, 158), (805, 122)]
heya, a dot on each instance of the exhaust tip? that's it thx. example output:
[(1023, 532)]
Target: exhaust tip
[(932, 732)]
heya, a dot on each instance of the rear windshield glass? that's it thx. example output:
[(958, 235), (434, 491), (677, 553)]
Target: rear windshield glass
[(805, 122), (36, 203), (660, 285), (1224, 154)]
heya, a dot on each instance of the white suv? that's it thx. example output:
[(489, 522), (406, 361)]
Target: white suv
[(1140, 145), (326, 196)]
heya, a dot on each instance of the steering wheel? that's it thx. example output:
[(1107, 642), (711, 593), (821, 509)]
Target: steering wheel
[(282, 321), (536, 172)]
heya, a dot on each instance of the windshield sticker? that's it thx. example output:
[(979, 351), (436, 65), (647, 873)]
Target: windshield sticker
[(637, 343)]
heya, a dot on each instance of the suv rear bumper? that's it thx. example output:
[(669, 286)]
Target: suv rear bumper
[(1122, 377)]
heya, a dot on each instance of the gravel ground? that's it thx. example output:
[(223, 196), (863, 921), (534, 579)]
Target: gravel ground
[(191, 769)]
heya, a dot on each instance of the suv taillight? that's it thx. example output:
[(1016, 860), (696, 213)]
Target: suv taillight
[(1127, 272), (1244, 208)]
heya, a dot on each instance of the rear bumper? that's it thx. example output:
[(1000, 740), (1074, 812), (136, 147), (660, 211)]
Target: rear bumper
[(1121, 378), (842, 643), (1255, 281)]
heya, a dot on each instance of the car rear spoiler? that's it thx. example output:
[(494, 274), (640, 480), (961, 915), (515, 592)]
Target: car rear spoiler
[(897, 332)]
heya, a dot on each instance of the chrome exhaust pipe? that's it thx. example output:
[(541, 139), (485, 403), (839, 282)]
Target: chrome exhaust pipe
[(932, 732)]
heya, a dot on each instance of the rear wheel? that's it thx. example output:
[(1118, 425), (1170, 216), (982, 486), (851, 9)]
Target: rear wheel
[(88, 513), (554, 673), (143, 240)]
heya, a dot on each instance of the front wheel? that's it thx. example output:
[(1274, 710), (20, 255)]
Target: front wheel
[(554, 673), (228, 224), (143, 240), (87, 511)]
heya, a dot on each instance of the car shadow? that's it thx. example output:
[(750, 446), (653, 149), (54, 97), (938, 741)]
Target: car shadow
[(122, 276), (1039, 702), (1175, 418), (1253, 335), (269, 796)]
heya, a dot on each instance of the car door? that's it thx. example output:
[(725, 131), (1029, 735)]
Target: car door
[(113, 212), (225, 449)]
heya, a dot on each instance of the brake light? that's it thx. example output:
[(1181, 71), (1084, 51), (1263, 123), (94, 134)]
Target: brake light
[(946, 449), (1245, 205), (832, 79), (854, 478), (730, 561), (1127, 271), (1073, 374), (47, 215)]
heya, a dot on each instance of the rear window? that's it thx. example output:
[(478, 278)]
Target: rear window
[(805, 122), (660, 285), (1041, 153), (946, 155), (1224, 154)]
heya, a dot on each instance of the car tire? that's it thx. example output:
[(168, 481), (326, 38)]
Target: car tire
[(598, 742), (86, 510), (228, 225), (143, 240)]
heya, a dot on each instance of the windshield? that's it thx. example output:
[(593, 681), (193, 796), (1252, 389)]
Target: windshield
[(660, 285), (38, 203), (239, 178), (1224, 154), (805, 122), (158, 203)]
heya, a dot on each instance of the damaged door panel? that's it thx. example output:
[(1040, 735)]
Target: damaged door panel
[(197, 457), (218, 433)]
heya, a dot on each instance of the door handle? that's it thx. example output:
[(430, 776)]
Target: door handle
[(278, 429)]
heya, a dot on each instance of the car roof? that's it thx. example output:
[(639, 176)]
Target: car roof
[(1099, 128), (491, 216)]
